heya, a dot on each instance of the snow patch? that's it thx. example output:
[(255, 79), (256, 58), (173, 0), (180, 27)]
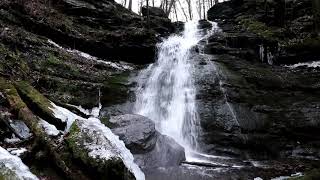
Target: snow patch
[(50, 129), (257, 178), (64, 115), (299, 174), (119, 66), (17, 151), (313, 64), (14, 164), (12, 140)]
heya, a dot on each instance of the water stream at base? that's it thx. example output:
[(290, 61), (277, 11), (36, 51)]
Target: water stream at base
[(166, 90)]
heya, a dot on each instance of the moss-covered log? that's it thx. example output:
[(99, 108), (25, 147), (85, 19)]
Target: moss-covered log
[(39, 104), (26, 115)]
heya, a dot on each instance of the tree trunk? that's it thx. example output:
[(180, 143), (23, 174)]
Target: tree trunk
[(189, 9), (316, 15), (183, 11), (169, 8), (204, 9), (130, 5), (148, 15)]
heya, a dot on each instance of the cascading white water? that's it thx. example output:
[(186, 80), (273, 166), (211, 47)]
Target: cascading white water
[(167, 92)]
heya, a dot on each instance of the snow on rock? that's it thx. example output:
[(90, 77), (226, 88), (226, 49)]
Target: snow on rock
[(119, 66), (50, 129), (11, 167), (20, 128), (94, 112), (100, 142), (64, 115), (102, 145), (12, 140), (313, 64), (17, 151)]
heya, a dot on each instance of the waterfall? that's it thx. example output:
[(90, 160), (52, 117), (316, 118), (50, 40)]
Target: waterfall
[(166, 92)]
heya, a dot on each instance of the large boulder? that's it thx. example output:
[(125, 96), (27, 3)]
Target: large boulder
[(150, 148), (166, 153), (100, 151), (137, 132)]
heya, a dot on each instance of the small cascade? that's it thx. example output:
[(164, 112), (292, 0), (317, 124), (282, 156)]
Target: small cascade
[(266, 55), (270, 58), (261, 52)]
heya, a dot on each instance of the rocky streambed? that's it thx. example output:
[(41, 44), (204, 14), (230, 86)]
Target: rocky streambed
[(69, 74)]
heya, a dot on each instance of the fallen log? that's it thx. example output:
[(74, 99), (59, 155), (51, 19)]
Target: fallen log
[(32, 121)]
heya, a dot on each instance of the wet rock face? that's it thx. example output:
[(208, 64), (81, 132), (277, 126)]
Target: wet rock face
[(288, 34), (246, 105), (100, 28), (166, 153), (150, 148)]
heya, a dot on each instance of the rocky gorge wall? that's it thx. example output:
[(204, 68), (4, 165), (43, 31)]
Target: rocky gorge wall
[(254, 103)]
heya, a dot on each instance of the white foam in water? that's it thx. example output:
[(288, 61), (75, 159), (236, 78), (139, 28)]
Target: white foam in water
[(88, 56), (67, 116), (15, 165), (166, 92), (313, 64)]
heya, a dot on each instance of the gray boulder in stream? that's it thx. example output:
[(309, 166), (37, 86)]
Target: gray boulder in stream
[(150, 148)]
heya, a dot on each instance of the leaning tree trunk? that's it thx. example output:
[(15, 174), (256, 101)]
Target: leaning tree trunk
[(18, 107)]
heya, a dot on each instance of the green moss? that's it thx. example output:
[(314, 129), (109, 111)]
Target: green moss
[(38, 103), (11, 93), (12, 62), (258, 28), (106, 122), (309, 44), (311, 175), (74, 141), (115, 89), (59, 66), (33, 95)]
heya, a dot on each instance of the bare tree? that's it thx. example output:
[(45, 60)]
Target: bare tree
[(183, 11), (204, 9), (169, 7), (316, 15), (130, 5), (189, 8)]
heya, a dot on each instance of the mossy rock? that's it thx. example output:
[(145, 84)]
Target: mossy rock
[(115, 89), (12, 62), (311, 175), (57, 65), (38, 103), (258, 28), (96, 152), (309, 44)]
